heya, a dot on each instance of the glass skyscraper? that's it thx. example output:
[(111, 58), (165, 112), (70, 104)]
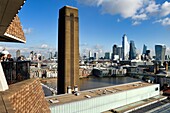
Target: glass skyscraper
[(160, 52), (144, 49), (114, 52), (125, 47), (132, 52), (119, 52)]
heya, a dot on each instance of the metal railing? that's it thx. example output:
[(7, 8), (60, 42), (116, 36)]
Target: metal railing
[(16, 71)]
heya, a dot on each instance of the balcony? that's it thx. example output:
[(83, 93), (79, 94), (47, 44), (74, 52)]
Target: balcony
[(16, 71)]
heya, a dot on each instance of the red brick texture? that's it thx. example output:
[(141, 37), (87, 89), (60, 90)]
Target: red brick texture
[(24, 97)]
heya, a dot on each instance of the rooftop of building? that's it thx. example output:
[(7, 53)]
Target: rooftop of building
[(71, 7), (141, 106), (87, 94)]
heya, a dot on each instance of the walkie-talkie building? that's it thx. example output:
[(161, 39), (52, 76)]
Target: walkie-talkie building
[(160, 52)]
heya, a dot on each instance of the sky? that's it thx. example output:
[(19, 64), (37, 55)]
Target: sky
[(102, 23)]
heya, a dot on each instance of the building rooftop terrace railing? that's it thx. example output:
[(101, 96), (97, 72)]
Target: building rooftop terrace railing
[(16, 71)]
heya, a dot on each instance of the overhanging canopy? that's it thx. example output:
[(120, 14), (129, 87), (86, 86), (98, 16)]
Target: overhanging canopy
[(10, 27)]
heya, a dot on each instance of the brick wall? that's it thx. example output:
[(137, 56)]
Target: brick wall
[(24, 97), (15, 29)]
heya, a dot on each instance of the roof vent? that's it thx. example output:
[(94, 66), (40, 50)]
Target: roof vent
[(54, 100)]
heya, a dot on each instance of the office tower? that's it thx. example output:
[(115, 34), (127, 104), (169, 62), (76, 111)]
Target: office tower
[(56, 55), (160, 52), (148, 54), (115, 49), (125, 47), (90, 54), (144, 49), (39, 57), (96, 55), (119, 52), (107, 55), (31, 55), (132, 52), (50, 55), (18, 53), (68, 49)]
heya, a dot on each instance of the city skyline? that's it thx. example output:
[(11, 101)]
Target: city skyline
[(100, 27)]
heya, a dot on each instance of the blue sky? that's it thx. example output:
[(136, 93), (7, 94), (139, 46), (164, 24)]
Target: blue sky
[(102, 23)]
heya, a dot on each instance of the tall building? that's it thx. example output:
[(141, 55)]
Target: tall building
[(31, 55), (18, 53), (144, 49), (125, 47), (119, 52), (115, 49), (132, 52), (90, 54), (160, 52), (68, 49), (50, 55), (96, 55), (114, 52), (56, 54), (148, 54), (107, 55)]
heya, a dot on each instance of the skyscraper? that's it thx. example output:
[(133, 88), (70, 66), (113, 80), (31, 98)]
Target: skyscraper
[(18, 53), (119, 52), (50, 55), (90, 54), (107, 55), (114, 52), (115, 49), (132, 52), (125, 47), (31, 55), (96, 55), (160, 52), (56, 55), (68, 49), (144, 49)]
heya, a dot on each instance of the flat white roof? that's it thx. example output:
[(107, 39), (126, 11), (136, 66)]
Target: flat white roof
[(66, 98)]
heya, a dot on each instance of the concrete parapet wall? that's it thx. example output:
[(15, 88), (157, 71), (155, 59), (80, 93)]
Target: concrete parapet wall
[(24, 97)]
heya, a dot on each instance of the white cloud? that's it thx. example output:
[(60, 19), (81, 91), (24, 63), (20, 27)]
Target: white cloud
[(152, 7), (140, 17), (164, 22), (142, 10), (137, 10), (44, 46), (165, 8), (126, 8), (27, 31), (90, 2), (84, 44), (136, 23)]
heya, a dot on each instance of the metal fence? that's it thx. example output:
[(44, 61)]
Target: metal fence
[(16, 71)]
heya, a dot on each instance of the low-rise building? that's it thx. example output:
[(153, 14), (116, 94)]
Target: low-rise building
[(102, 99)]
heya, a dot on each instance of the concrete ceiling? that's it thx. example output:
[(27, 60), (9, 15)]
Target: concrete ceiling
[(8, 10)]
